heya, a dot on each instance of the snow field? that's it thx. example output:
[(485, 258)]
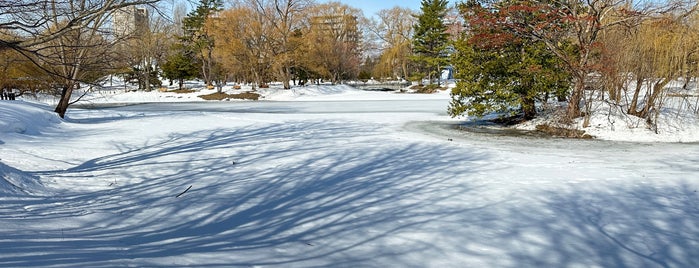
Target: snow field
[(316, 189)]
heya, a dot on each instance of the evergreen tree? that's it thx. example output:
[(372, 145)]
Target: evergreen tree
[(430, 39), (197, 38), (180, 66), (501, 72)]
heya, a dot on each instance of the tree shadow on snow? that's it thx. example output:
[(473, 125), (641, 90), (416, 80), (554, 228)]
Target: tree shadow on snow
[(288, 195), (626, 226), (277, 195)]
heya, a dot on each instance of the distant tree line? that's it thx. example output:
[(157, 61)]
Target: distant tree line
[(57, 46), (510, 56), (291, 41)]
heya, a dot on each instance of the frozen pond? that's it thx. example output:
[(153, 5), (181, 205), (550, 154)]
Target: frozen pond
[(333, 184), (288, 107), (447, 129)]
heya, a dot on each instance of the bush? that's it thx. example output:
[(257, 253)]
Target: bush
[(182, 91), (563, 132), (426, 89), (224, 96)]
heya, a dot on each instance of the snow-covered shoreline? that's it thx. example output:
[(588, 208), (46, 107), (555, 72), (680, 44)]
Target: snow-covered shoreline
[(607, 122), (310, 188)]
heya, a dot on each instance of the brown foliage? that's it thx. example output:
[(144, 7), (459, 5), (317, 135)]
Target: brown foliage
[(225, 96), (563, 132), (333, 41), (395, 29), (643, 55)]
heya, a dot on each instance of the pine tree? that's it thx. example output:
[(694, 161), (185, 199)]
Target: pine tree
[(430, 40), (501, 72), (180, 66), (197, 38)]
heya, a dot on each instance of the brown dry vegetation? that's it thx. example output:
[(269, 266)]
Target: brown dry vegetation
[(225, 96), (563, 132), (182, 91), (427, 89)]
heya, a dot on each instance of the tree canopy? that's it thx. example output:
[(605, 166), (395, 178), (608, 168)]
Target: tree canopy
[(499, 70)]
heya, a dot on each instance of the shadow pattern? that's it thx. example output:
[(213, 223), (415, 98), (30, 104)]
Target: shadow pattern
[(285, 195), (281, 190)]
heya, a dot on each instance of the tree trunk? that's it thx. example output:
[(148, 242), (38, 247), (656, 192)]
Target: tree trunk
[(633, 106), (575, 98), (286, 76), (148, 70), (429, 76), (64, 102), (528, 107), (206, 68), (657, 89), (404, 67), (439, 75)]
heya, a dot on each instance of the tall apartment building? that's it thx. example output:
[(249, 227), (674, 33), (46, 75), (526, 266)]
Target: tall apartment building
[(129, 21), (342, 27)]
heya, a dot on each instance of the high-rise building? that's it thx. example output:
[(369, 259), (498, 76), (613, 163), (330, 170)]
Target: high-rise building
[(129, 21), (342, 27)]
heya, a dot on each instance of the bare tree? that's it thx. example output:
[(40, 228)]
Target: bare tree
[(146, 50), (334, 41), (285, 18), (33, 19), (242, 44), (64, 37), (394, 28)]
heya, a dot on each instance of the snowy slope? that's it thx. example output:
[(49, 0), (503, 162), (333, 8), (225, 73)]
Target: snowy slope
[(15, 182), (17, 117), (21, 117), (608, 122)]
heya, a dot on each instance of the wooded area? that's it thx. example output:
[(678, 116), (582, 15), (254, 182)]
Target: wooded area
[(510, 56), (517, 53)]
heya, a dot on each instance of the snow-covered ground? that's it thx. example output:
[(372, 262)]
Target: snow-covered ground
[(342, 178)]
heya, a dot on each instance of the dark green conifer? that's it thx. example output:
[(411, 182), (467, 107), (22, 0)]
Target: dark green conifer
[(430, 40)]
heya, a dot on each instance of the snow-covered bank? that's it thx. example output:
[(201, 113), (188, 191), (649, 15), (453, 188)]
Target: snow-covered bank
[(14, 182), (607, 122), (341, 93), (22, 120), (129, 187), (26, 118), (275, 93)]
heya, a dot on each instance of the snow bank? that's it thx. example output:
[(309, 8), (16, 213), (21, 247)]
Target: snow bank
[(340, 93), (311, 92), (18, 117), (14, 182), (610, 123), (323, 92), (25, 118)]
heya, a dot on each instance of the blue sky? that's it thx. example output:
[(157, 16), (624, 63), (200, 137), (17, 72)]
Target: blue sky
[(370, 7)]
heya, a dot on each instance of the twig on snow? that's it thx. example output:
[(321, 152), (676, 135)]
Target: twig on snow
[(190, 187)]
